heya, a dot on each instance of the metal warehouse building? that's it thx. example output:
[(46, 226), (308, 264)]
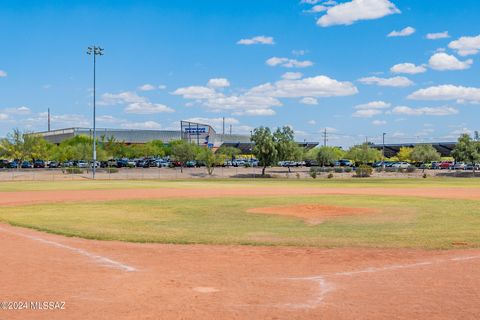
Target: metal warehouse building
[(444, 148), (200, 134)]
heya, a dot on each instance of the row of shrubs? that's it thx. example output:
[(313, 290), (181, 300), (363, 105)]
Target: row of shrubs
[(361, 171), (75, 170), (391, 169)]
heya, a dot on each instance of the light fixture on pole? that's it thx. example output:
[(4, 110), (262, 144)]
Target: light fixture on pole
[(94, 51), (383, 150)]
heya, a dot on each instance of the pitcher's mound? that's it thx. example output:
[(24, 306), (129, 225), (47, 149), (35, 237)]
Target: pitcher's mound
[(313, 213)]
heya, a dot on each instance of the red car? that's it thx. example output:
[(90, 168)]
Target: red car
[(446, 165)]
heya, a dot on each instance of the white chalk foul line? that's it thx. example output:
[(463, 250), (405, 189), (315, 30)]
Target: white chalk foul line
[(97, 258), (326, 287)]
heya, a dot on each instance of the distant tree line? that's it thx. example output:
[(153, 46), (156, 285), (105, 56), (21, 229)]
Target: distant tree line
[(269, 147)]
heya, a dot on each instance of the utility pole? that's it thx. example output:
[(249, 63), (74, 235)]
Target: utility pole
[(223, 131), (94, 51), (230, 129), (325, 137), (48, 119), (383, 150)]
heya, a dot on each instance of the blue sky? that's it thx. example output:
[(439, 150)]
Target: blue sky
[(356, 67)]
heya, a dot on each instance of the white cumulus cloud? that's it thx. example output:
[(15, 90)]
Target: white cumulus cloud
[(466, 45), (350, 12), (288, 63), (18, 111), (257, 40), (373, 105), (366, 113), (408, 68), (134, 103), (218, 83), (438, 35), (408, 31), (387, 82), (309, 101), (425, 111), (447, 92), (292, 75), (146, 87), (444, 62), (3, 74), (261, 99)]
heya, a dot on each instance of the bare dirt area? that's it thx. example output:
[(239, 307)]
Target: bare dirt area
[(313, 213), (36, 197), (113, 280)]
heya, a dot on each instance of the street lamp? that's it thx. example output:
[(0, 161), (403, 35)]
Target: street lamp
[(383, 150), (94, 51)]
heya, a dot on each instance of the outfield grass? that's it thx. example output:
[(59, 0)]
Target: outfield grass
[(10, 186), (402, 222)]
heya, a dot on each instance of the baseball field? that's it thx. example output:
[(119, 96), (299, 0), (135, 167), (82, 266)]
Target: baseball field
[(242, 249)]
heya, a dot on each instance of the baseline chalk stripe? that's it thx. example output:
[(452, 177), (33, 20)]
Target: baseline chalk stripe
[(326, 287), (104, 261)]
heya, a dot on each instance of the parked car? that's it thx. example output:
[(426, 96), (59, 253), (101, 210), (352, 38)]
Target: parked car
[(97, 164), (428, 165), (141, 163), (311, 163), (39, 164), (26, 165), (471, 166), (54, 164), (436, 165), (190, 164), (81, 164), (343, 163), (3, 163), (67, 164), (445, 165), (401, 165), (162, 163), (175, 164), (13, 164), (254, 162), (460, 166), (112, 163)]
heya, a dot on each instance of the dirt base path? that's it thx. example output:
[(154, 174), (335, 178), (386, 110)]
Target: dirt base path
[(113, 280), (33, 197)]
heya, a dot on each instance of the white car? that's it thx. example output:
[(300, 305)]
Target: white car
[(402, 165), (82, 164), (460, 166), (162, 163)]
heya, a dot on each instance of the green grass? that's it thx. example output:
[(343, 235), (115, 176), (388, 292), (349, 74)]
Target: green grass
[(423, 223), (10, 186)]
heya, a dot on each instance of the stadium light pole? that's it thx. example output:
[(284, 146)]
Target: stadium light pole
[(383, 150), (94, 51)]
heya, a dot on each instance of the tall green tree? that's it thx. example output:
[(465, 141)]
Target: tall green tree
[(264, 147), (183, 151), (210, 159), (37, 148), (327, 155), (467, 150), (424, 153), (13, 146), (287, 148), (228, 152), (363, 154), (404, 154)]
